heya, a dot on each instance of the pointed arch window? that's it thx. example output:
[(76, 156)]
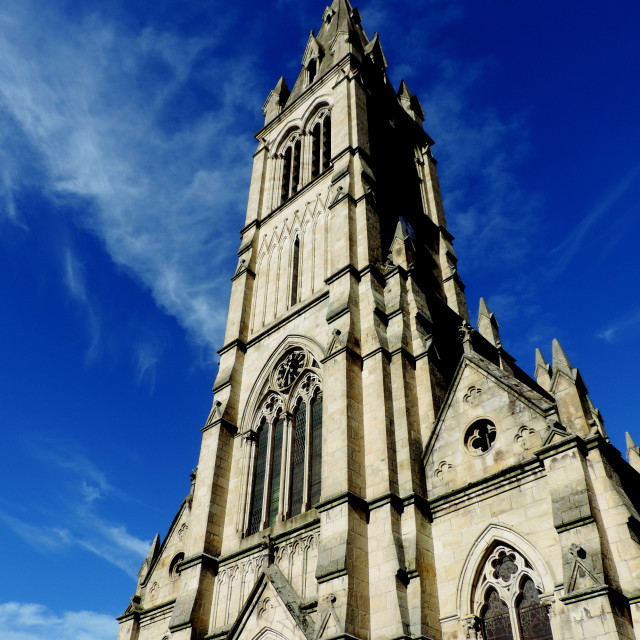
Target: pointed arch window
[(316, 448), (255, 512), (294, 271), (285, 456), (510, 606), (291, 169), (298, 457), (321, 145)]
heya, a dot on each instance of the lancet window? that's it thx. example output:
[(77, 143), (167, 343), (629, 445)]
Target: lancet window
[(291, 169), (321, 145), (295, 264), (508, 599), (305, 155), (285, 446)]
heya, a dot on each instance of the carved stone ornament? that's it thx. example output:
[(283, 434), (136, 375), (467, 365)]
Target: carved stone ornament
[(472, 627), (182, 530), (443, 470), (472, 397), (289, 369), (525, 437), (153, 592), (266, 610)]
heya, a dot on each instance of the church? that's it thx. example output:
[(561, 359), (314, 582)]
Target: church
[(373, 466)]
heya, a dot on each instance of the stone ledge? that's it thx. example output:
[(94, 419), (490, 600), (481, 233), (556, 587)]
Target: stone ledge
[(487, 487), (587, 594), (206, 560), (574, 524)]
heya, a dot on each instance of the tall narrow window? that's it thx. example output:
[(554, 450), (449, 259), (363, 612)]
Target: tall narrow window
[(316, 149), (316, 449), (495, 618), (511, 607), (312, 69), (295, 168), (276, 471), (286, 173), (326, 143), (291, 170), (532, 616), (285, 473), (294, 271), (259, 478), (297, 461)]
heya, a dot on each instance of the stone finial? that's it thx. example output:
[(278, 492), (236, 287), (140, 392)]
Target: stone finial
[(488, 326), (375, 52), (410, 103), (465, 331), (543, 371), (633, 452)]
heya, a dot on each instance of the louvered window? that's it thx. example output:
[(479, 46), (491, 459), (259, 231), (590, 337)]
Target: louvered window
[(321, 146)]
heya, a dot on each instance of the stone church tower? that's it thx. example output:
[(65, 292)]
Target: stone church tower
[(373, 467)]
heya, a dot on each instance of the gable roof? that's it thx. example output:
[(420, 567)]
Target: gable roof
[(288, 600), (535, 397)]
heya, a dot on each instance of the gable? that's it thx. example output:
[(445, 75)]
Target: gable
[(159, 575), (272, 612), (489, 421)]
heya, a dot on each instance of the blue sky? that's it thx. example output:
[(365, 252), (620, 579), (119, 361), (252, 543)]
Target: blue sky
[(126, 135)]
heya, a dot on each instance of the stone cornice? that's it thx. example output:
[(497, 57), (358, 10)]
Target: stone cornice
[(487, 487)]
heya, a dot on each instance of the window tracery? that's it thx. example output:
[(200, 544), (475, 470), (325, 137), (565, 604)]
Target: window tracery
[(285, 446), (508, 603), (305, 154)]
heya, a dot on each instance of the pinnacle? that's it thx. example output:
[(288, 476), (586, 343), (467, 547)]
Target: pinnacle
[(540, 361), (281, 86), (484, 309), (403, 91), (560, 360), (629, 441)]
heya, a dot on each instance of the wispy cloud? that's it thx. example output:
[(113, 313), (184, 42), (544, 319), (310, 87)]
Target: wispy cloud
[(64, 456), (571, 245), (40, 537), (29, 621), (161, 194), (79, 522), (75, 280), (620, 327), (147, 359)]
